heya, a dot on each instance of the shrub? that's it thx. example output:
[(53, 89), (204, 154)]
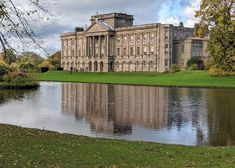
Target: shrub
[(175, 68), (213, 71), (18, 80), (195, 60), (193, 67)]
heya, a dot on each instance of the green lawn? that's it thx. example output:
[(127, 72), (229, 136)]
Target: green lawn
[(22, 147), (183, 78)]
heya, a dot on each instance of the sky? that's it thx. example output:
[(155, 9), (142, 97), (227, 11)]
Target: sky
[(65, 15)]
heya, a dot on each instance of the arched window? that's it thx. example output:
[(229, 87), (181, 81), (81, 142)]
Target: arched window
[(90, 66), (101, 66), (95, 66)]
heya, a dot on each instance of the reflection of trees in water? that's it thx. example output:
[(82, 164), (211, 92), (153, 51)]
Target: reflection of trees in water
[(115, 108), (185, 106), (8, 94), (221, 118)]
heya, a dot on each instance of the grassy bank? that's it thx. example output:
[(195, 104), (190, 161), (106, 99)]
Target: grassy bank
[(21, 147), (183, 79)]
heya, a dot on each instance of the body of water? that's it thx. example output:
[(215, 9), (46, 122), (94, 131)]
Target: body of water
[(187, 116)]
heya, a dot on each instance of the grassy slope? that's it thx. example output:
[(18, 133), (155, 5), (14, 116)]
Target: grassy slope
[(21, 147), (184, 78)]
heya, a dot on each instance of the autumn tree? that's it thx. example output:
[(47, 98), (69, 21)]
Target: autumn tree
[(28, 61), (220, 17), (55, 59), (15, 23)]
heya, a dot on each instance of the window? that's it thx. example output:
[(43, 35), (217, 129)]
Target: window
[(138, 50), (132, 38), (145, 50), (152, 36), (119, 39), (145, 37), (152, 50), (124, 51), (118, 51), (79, 53), (72, 53), (166, 62), (138, 38), (131, 51), (125, 39), (166, 45)]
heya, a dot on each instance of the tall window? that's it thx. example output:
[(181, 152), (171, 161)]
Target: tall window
[(152, 36), (132, 38), (118, 51), (145, 37), (72, 53), (152, 50), (166, 62), (138, 50), (124, 51), (145, 50), (131, 51), (125, 39)]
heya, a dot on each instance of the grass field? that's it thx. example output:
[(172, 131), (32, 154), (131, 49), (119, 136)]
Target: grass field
[(22, 147), (180, 79)]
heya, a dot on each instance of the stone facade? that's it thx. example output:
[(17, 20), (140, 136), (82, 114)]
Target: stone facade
[(190, 47), (112, 43)]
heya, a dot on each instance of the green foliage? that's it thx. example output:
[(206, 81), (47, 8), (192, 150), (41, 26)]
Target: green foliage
[(200, 30), (219, 15), (3, 70), (17, 80), (9, 56), (195, 60), (174, 68), (221, 47), (55, 60), (193, 67), (219, 72), (29, 61)]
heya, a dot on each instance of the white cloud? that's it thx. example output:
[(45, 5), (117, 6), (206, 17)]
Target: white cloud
[(175, 20)]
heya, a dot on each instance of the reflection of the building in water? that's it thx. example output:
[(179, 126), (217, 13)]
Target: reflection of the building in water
[(116, 108)]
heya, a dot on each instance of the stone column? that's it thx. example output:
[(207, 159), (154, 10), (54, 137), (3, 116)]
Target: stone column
[(99, 48), (93, 45), (128, 46), (134, 50), (107, 45)]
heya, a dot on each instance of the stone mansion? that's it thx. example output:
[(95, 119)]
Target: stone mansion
[(113, 43)]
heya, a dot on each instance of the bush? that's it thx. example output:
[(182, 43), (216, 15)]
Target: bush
[(193, 67), (219, 72), (175, 68), (18, 80), (197, 61)]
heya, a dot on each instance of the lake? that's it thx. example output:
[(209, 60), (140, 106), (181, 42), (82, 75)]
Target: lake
[(187, 116)]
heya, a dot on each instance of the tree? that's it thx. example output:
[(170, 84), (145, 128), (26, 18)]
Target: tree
[(29, 61), (219, 16), (9, 56), (200, 30), (15, 23), (55, 59)]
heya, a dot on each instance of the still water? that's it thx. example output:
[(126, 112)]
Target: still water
[(186, 116)]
